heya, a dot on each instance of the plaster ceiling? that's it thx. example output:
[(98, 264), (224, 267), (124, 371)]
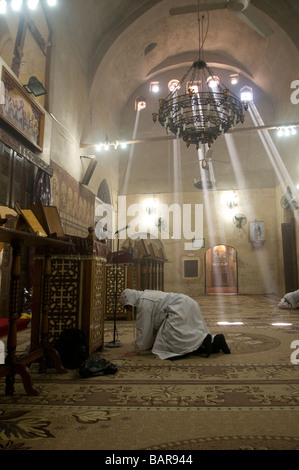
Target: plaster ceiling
[(94, 27)]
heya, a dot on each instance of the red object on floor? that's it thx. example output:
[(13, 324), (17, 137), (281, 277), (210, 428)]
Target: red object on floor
[(22, 323)]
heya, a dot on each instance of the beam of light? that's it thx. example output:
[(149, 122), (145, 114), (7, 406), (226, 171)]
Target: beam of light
[(206, 197), (235, 161), (209, 221), (215, 196), (177, 168), (131, 154), (177, 196), (32, 4), (210, 198), (241, 180), (3, 7), (16, 4), (177, 188), (271, 150)]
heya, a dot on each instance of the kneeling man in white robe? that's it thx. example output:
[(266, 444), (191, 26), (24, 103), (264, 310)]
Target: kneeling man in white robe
[(170, 324)]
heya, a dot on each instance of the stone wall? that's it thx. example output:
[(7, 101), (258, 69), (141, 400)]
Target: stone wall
[(258, 265)]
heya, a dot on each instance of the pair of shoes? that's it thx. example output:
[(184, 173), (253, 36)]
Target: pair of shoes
[(207, 345), (220, 344)]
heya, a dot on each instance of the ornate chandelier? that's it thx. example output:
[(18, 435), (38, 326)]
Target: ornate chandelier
[(200, 108)]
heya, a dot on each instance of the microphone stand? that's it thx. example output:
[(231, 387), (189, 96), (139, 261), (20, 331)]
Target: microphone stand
[(115, 343)]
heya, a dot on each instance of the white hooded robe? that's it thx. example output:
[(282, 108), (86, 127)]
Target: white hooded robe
[(169, 324)]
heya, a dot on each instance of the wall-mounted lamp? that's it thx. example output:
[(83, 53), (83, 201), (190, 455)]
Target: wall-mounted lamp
[(286, 131), (107, 144), (35, 87), (151, 206), (230, 199), (231, 203)]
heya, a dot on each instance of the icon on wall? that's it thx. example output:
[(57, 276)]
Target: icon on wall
[(257, 233)]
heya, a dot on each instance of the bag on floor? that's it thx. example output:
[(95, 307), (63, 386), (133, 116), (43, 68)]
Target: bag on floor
[(94, 367), (72, 348)]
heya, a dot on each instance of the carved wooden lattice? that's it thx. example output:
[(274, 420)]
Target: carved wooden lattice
[(134, 278), (77, 297), (98, 304), (64, 306), (111, 289)]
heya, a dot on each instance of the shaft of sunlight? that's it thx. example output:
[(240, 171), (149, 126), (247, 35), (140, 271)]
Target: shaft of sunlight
[(240, 178), (131, 154)]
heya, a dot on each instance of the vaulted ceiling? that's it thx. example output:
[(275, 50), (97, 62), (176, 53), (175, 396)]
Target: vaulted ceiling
[(130, 43), (94, 27)]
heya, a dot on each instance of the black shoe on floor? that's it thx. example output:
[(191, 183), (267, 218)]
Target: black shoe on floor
[(207, 345), (219, 344)]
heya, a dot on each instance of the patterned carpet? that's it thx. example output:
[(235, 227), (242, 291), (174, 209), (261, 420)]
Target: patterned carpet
[(248, 400)]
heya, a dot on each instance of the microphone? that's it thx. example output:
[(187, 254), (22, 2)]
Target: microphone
[(121, 229)]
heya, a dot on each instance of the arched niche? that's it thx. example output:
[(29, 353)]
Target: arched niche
[(221, 263)]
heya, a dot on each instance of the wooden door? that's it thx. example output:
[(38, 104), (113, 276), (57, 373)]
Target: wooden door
[(289, 256), (221, 270)]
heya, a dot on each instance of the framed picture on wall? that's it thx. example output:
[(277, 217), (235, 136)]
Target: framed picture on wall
[(20, 111), (257, 231)]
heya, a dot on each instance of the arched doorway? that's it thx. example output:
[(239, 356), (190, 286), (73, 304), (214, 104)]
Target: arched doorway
[(221, 270)]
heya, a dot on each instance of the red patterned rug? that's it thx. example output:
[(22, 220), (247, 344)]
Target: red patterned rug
[(22, 324)]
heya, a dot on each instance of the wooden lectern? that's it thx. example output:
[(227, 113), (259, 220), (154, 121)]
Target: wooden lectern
[(42, 351)]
